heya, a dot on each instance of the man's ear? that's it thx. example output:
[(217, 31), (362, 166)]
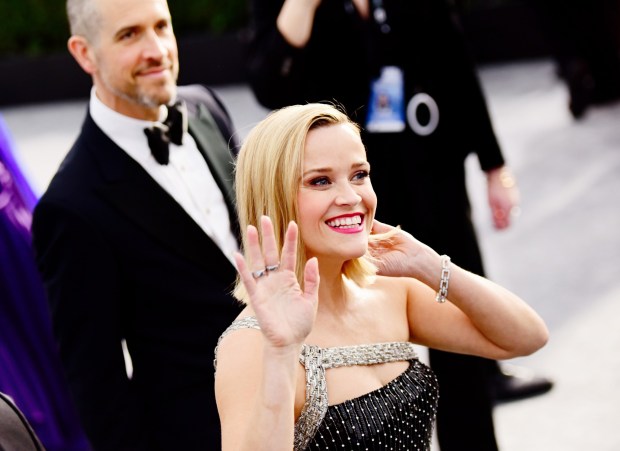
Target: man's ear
[(82, 51)]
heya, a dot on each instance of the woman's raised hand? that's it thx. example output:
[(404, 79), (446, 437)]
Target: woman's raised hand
[(400, 256), (284, 312)]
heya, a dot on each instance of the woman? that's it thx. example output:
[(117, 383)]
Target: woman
[(339, 298), (356, 51)]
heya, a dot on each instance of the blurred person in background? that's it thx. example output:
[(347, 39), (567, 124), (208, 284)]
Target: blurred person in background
[(30, 370), (584, 39)]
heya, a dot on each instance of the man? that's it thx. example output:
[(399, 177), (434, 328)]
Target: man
[(135, 247)]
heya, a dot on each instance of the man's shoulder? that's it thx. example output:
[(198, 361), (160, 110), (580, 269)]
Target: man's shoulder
[(78, 172), (196, 94), (70, 188)]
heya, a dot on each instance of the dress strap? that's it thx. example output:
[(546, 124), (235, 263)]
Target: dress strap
[(316, 360), (248, 322), (367, 354)]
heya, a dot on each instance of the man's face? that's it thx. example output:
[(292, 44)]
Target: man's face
[(135, 56)]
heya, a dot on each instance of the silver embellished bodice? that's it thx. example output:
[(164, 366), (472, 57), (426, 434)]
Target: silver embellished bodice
[(398, 416)]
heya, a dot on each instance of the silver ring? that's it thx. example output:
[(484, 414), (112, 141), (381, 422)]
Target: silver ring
[(270, 268), (260, 273)]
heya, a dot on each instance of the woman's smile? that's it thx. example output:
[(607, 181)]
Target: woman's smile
[(349, 223)]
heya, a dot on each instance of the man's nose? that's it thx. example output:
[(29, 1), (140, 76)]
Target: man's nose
[(155, 46)]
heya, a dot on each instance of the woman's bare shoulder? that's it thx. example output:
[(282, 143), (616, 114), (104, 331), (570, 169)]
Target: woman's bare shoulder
[(397, 285), (241, 334)]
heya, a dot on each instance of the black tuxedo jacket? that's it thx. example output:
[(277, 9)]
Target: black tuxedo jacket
[(122, 260)]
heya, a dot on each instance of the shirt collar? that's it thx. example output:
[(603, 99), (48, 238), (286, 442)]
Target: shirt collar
[(126, 132)]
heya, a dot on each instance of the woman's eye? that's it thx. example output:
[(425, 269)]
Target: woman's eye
[(319, 181), (361, 175)]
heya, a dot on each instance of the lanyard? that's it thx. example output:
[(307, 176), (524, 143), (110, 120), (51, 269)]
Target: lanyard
[(378, 14)]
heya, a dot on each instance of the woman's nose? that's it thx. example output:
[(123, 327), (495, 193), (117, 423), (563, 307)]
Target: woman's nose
[(348, 195)]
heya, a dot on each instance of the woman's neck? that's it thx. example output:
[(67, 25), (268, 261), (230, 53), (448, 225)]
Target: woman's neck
[(332, 287), (336, 292)]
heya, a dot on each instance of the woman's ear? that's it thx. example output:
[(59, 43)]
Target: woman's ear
[(82, 51)]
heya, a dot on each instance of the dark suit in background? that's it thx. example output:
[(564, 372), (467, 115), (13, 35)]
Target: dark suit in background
[(121, 259)]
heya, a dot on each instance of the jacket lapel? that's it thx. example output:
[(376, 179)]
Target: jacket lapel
[(130, 189), (215, 151)]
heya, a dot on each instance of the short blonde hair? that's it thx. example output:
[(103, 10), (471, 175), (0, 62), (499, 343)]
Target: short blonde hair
[(268, 175)]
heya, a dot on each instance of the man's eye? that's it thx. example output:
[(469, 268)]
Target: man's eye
[(127, 35)]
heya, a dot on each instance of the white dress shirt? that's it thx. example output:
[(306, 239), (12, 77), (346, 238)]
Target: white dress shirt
[(186, 177)]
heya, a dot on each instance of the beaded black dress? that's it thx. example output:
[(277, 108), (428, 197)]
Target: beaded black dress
[(397, 416)]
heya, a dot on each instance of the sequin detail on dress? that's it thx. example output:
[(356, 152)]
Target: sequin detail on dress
[(397, 416)]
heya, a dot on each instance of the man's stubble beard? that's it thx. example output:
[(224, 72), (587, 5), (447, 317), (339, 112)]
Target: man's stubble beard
[(143, 96), (151, 98)]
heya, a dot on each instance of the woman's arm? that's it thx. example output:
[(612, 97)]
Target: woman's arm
[(255, 388), (481, 317), (257, 378)]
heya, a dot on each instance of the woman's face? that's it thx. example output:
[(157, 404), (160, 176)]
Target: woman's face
[(336, 200)]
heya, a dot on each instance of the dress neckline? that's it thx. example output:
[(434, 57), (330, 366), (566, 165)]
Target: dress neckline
[(316, 360)]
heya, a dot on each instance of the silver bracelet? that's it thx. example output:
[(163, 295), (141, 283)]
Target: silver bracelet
[(445, 279)]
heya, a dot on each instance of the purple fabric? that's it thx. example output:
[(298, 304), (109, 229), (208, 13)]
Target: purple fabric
[(30, 370), (26, 196)]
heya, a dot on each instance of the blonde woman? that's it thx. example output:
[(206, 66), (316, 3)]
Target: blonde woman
[(322, 355)]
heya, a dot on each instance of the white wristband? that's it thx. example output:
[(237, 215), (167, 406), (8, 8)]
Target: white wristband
[(444, 280)]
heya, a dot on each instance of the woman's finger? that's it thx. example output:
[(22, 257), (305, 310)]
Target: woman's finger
[(380, 227), (254, 252), (289, 249), (311, 278), (246, 276), (271, 256)]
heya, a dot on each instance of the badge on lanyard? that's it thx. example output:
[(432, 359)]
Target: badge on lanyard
[(386, 106)]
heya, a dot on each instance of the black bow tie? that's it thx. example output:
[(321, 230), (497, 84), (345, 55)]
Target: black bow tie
[(171, 130)]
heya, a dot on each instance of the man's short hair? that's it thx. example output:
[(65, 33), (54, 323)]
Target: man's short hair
[(84, 18)]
